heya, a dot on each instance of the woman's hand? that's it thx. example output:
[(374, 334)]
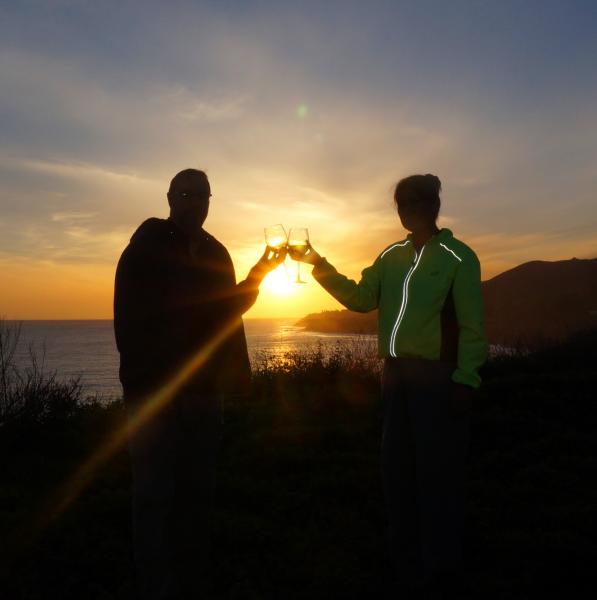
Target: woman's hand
[(311, 256), (269, 260)]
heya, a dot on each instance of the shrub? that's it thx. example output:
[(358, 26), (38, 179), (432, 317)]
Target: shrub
[(30, 394)]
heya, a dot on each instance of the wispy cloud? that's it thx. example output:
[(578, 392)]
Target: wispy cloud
[(81, 171), (73, 216), (195, 108)]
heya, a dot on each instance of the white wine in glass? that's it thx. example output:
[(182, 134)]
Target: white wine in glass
[(298, 240)]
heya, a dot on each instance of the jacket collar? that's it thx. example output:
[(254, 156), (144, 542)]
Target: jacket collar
[(175, 229), (443, 235)]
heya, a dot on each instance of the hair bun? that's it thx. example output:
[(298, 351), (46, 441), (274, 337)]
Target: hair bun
[(433, 181)]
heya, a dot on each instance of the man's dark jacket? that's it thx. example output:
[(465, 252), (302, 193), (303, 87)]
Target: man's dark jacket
[(169, 307)]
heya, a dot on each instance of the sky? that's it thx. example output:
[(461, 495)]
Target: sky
[(301, 113)]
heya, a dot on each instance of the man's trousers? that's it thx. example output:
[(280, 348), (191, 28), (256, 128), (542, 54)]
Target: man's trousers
[(173, 457)]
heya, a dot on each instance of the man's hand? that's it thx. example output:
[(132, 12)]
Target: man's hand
[(461, 399), (310, 257), (269, 260)]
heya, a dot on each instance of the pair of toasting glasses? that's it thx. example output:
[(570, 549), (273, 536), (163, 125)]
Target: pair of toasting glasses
[(297, 239)]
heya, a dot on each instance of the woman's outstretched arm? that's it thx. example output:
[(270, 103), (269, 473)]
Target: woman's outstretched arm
[(360, 297)]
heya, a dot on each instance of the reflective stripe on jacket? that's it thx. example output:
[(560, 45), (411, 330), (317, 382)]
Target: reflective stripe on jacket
[(410, 289)]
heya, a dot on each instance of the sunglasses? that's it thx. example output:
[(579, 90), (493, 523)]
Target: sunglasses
[(192, 195)]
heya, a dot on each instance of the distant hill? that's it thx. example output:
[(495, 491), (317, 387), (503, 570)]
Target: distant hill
[(533, 301), (541, 299), (340, 321)]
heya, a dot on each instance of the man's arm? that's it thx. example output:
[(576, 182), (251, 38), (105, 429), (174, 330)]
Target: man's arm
[(243, 295)]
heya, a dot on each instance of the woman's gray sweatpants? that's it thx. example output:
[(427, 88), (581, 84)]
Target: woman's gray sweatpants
[(424, 453)]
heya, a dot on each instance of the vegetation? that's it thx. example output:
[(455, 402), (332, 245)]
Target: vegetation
[(300, 511), (341, 321)]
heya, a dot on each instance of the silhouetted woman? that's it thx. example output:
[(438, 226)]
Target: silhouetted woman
[(427, 288)]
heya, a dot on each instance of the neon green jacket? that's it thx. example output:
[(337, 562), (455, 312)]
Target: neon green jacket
[(410, 290)]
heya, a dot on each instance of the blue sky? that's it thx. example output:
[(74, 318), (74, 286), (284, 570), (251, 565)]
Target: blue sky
[(302, 113)]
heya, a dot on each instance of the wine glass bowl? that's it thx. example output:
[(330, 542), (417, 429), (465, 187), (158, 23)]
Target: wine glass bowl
[(276, 237)]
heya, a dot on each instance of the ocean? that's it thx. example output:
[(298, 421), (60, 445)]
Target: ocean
[(87, 349)]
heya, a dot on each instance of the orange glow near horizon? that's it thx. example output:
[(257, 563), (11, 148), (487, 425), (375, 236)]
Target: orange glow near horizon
[(35, 289)]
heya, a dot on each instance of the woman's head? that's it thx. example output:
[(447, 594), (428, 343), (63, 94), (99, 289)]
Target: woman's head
[(417, 200)]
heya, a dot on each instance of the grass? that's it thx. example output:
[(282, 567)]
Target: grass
[(299, 510)]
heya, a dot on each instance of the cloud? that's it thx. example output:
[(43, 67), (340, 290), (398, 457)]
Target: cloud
[(73, 216), (195, 108), (82, 171)]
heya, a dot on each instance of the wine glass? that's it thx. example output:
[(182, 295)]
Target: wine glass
[(298, 240), (276, 237)]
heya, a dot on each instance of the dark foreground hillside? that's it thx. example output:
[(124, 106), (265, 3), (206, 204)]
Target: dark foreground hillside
[(299, 511)]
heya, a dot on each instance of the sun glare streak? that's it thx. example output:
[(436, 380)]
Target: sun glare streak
[(153, 404)]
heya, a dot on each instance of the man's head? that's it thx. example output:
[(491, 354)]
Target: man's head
[(188, 197)]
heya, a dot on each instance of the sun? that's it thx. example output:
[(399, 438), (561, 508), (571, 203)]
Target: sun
[(278, 282)]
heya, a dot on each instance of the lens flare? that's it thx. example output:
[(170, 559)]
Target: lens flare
[(152, 405), (302, 111)]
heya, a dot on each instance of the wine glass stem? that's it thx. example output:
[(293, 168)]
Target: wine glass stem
[(298, 270)]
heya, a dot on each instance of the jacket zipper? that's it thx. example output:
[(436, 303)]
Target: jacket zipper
[(404, 301)]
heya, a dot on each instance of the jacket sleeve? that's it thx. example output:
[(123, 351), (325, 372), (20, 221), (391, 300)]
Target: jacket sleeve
[(468, 304), (237, 298), (360, 297), (246, 293)]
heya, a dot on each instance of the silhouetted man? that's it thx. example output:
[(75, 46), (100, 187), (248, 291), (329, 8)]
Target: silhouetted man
[(178, 326)]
